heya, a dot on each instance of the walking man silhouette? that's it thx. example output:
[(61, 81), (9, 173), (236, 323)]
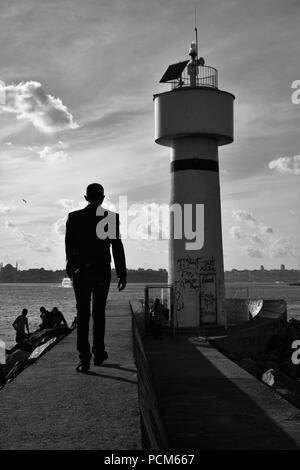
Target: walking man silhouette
[(88, 265)]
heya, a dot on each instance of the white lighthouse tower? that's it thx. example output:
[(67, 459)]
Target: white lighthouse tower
[(194, 118)]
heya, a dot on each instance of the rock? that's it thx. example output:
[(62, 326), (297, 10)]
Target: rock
[(24, 346), (16, 356), (23, 354), (42, 349), (15, 362), (276, 379)]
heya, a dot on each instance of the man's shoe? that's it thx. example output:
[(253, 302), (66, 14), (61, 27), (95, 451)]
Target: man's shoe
[(98, 360), (83, 366)]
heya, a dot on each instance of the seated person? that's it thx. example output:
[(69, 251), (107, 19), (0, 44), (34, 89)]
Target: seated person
[(47, 318), (159, 317), (58, 319)]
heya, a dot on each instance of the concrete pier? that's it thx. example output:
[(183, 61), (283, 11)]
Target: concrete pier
[(205, 400), (51, 406), (208, 402)]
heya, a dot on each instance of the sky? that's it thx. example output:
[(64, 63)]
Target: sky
[(77, 88)]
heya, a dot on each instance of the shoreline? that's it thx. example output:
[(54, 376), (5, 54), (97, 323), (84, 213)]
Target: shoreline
[(247, 283)]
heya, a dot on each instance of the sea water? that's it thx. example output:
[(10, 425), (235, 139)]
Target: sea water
[(15, 297)]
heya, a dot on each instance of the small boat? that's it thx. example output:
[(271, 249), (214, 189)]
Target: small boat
[(66, 282)]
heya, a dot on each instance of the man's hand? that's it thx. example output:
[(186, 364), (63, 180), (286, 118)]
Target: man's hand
[(69, 270), (122, 283)]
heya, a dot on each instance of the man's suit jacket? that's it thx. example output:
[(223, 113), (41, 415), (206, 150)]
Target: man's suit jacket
[(83, 247)]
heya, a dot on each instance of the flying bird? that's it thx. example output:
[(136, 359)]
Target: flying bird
[(24, 200)]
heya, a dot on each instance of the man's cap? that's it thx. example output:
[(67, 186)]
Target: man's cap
[(94, 191)]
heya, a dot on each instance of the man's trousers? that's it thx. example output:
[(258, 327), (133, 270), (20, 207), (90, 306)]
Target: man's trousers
[(90, 285)]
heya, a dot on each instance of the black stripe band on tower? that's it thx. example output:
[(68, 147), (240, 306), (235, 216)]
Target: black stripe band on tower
[(194, 164)]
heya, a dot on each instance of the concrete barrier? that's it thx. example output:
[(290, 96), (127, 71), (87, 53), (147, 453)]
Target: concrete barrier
[(242, 310), (252, 337), (153, 433)]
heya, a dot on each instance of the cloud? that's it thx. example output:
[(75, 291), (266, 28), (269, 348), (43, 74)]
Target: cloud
[(54, 153), (30, 240), (118, 118), (282, 247), (115, 124), (59, 227), (241, 215), (244, 216), (70, 205), (67, 203), (237, 232), (29, 101), (254, 252), (272, 248), (261, 239), (255, 238), (4, 208), (9, 224), (265, 228), (286, 165)]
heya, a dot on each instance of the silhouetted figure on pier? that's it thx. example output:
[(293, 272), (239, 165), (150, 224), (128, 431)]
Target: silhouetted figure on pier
[(58, 319), (159, 317), (20, 324), (88, 265), (47, 318)]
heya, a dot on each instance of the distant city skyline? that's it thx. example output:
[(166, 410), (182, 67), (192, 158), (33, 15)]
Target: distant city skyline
[(79, 78), (280, 267)]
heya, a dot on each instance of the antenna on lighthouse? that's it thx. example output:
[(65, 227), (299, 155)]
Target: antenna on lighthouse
[(193, 52), (196, 32), (195, 49)]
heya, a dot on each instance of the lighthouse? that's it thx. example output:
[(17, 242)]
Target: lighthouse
[(194, 119)]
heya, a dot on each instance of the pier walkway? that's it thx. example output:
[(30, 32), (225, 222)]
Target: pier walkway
[(208, 402), (51, 406)]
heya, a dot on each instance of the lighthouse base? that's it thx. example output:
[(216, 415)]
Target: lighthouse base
[(199, 294)]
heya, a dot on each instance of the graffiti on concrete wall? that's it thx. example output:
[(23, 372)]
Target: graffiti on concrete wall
[(208, 299), (188, 277)]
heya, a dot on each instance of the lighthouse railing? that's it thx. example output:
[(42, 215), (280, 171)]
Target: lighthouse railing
[(205, 76)]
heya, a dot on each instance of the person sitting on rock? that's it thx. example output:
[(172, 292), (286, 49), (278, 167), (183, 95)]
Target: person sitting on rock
[(159, 317), (47, 318), (20, 324), (58, 319)]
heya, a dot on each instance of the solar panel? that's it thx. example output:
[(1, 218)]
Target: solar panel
[(173, 72)]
